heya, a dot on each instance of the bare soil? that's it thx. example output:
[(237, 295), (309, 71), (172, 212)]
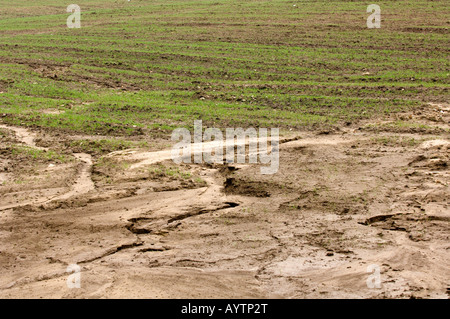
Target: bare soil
[(140, 226)]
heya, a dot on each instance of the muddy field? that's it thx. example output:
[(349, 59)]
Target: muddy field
[(87, 181), (341, 201)]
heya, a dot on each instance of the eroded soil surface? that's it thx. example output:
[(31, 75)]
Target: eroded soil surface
[(140, 225)]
